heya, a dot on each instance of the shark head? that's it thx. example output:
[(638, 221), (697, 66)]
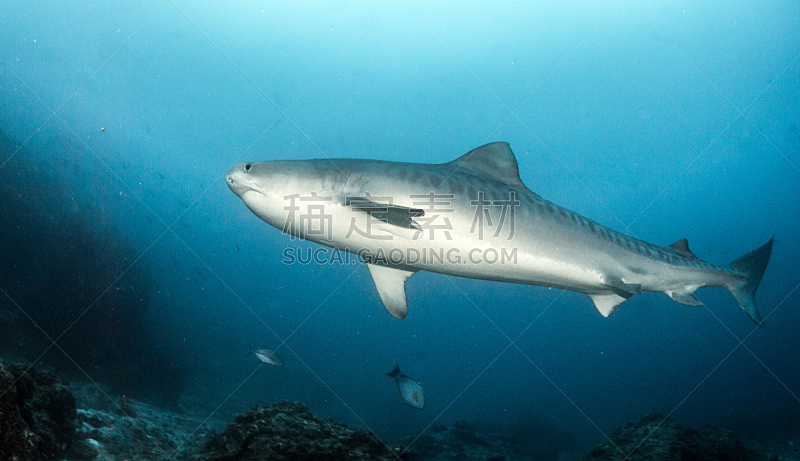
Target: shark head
[(262, 186), (280, 191)]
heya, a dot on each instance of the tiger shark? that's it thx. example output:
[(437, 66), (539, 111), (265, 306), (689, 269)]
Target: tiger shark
[(473, 217)]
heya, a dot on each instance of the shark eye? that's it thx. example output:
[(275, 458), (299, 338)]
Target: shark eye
[(247, 168)]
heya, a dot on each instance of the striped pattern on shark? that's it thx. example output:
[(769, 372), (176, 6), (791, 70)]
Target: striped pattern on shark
[(435, 217)]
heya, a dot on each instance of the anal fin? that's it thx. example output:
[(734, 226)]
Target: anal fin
[(391, 285), (685, 297)]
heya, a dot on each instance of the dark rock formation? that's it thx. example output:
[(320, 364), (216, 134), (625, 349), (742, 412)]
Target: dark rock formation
[(656, 438), (37, 414), (288, 431), (16, 441)]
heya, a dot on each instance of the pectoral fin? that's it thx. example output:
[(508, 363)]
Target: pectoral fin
[(391, 214), (391, 285), (607, 302)]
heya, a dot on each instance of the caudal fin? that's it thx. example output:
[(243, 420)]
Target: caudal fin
[(752, 266), (395, 372)]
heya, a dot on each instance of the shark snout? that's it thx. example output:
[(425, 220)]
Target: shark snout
[(237, 178)]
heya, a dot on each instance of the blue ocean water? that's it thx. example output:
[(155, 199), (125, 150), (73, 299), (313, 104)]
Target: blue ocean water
[(122, 244)]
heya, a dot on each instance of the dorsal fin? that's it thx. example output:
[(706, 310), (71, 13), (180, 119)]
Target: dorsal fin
[(682, 248), (494, 160)]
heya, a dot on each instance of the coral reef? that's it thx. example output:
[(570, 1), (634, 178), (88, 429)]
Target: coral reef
[(462, 441), (655, 437), (119, 428), (288, 431), (538, 438), (42, 419), (37, 414)]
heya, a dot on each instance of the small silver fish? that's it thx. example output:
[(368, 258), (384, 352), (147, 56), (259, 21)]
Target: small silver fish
[(268, 356), (410, 390)]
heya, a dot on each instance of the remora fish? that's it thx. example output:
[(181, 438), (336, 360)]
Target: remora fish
[(448, 218), (410, 390)]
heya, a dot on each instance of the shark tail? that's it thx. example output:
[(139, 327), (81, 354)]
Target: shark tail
[(395, 372), (752, 266)]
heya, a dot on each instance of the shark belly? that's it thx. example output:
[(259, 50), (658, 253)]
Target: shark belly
[(549, 246), (540, 251)]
